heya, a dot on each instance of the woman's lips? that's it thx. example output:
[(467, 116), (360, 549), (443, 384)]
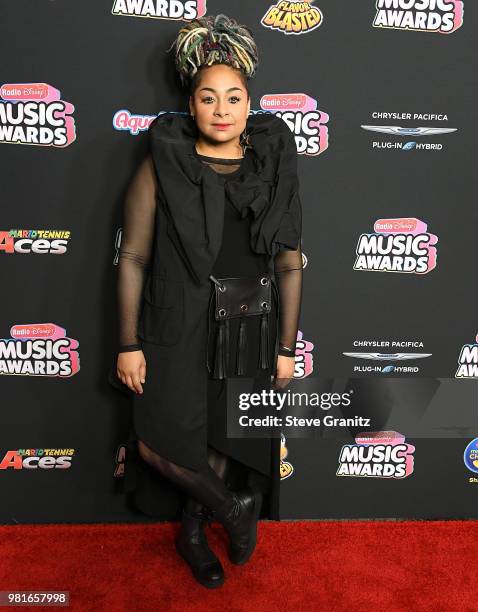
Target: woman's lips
[(221, 126)]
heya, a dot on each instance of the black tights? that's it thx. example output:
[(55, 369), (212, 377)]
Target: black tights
[(207, 486)]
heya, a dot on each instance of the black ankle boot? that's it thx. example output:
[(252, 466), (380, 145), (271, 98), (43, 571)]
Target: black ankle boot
[(239, 515), (191, 544)]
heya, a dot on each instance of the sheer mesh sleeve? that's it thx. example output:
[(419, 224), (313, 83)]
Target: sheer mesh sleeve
[(287, 241), (135, 251), (288, 273)]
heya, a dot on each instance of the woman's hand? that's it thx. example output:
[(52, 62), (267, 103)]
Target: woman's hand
[(131, 370), (285, 371)]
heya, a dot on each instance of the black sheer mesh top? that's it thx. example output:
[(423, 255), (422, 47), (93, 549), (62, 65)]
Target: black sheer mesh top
[(235, 258)]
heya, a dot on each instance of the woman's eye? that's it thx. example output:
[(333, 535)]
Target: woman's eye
[(235, 98)]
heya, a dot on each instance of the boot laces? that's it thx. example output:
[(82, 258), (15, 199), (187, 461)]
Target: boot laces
[(235, 510)]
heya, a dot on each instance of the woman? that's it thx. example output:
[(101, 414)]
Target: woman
[(215, 199)]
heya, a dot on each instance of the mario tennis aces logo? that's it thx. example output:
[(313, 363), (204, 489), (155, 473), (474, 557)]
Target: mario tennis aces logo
[(442, 16), (37, 458), (35, 114), (38, 242)]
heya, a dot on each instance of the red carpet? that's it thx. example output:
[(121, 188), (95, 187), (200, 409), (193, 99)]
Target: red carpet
[(312, 565)]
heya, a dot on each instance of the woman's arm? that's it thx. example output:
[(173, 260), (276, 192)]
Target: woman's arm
[(288, 240), (288, 272), (135, 252)]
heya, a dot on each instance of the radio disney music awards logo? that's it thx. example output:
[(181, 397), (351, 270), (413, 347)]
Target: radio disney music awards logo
[(38, 458), (390, 359), (441, 16), (166, 9), (35, 114), (293, 17), (304, 118), (304, 360), (39, 349), (409, 132), (470, 458), (468, 361), (377, 454), (400, 245), (286, 468), (37, 242)]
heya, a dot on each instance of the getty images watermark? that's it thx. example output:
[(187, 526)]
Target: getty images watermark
[(316, 407), (257, 411)]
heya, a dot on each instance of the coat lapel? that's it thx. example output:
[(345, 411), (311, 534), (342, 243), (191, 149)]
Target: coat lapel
[(194, 194)]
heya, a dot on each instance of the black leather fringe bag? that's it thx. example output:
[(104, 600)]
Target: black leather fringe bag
[(239, 297)]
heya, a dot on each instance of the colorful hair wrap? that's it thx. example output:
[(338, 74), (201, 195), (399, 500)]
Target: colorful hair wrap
[(214, 40)]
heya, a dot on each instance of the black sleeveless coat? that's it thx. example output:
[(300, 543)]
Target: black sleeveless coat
[(173, 324)]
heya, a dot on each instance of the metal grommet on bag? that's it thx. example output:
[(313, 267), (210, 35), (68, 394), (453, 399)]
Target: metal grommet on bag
[(244, 307), (220, 285), (264, 280), (264, 305), (221, 312)]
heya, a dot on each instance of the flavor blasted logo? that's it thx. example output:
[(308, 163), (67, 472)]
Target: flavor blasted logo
[(292, 17), (302, 115), (468, 361), (377, 454), (397, 245), (286, 468), (160, 10), (33, 113), (41, 349), (442, 16)]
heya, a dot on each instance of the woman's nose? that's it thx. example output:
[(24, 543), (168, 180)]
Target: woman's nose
[(220, 110)]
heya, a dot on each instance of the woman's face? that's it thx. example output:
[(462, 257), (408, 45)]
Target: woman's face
[(220, 104)]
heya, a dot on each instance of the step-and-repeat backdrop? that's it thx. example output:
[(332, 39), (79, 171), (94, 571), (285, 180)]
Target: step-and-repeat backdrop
[(380, 95)]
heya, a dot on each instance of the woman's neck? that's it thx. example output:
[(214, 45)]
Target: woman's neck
[(224, 151)]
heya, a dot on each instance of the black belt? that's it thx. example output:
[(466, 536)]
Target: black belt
[(239, 297)]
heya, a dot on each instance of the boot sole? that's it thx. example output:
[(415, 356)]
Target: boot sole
[(253, 541), (210, 585)]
